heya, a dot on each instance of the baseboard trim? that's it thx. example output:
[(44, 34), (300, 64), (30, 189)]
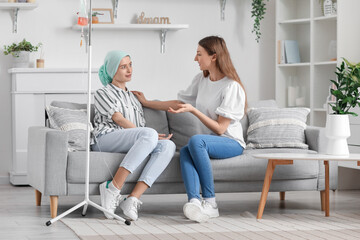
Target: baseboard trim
[(4, 179)]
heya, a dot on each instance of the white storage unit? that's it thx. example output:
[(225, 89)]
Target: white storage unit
[(33, 89), (303, 21)]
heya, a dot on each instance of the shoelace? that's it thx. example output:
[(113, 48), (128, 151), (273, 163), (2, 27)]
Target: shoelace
[(137, 205), (115, 201), (206, 204)]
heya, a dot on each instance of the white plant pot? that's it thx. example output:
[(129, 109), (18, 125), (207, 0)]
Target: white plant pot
[(337, 131), (23, 61)]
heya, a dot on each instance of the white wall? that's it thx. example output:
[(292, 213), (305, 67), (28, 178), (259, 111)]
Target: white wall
[(160, 76)]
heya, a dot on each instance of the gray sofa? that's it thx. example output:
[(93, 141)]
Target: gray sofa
[(54, 171)]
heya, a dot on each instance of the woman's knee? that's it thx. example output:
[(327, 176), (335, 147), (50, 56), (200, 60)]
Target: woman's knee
[(197, 141), (167, 146), (149, 135)]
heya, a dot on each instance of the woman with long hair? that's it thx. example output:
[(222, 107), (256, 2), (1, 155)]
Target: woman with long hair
[(217, 98)]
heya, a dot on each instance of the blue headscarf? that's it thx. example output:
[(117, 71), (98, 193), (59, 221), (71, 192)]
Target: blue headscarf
[(109, 68)]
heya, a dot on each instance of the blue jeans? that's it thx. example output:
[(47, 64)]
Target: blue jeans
[(138, 143), (195, 163)]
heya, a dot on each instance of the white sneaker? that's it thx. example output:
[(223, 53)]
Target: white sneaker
[(200, 211), (109, 199), (130, 207), (210, 210)]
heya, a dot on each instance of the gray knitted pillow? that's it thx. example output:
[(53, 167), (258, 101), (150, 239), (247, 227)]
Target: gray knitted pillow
[(277, 128), (72, 121)]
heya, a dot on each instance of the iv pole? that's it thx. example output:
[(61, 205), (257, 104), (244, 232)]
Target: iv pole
[(87, 200)]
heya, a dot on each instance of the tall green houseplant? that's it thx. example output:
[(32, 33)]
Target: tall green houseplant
[(346, 91)]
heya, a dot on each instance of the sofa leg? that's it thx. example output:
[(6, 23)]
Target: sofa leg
[(322, 199), (282, 196), (53, 205), (37, 197)]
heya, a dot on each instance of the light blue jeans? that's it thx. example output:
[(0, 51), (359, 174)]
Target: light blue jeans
[(138, 143), (195, 163)]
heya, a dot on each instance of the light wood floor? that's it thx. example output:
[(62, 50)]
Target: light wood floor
[(21, 219)]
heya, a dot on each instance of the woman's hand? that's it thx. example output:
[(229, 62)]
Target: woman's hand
[(140, 96), (163, 136), (186, 107)]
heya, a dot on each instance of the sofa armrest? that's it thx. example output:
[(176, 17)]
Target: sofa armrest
[(47, 160), (315, 138)]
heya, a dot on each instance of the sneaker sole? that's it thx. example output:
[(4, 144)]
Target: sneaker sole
[(102, 194), (193, 212)]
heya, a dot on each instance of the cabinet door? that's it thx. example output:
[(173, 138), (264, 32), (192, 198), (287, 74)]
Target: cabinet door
[(27, 110)]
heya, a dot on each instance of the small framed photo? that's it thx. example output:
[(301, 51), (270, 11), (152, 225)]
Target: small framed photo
[(102, 15)]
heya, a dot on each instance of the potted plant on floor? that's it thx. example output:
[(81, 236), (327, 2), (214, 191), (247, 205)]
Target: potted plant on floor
[(21, 52), (346, 95)]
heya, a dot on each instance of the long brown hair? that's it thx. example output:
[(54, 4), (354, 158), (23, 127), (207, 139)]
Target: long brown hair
[(216, 45)]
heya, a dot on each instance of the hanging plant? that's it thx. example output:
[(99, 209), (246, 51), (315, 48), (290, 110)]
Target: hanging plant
[(258, 11)]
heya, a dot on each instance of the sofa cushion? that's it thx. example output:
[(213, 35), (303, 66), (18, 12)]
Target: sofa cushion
[(184, 126), (75, 106), (72, 121), (245, 167), (277, 127), (257, 104), (156, 119)]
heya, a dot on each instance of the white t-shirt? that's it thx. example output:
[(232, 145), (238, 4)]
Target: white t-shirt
[(224, 97)]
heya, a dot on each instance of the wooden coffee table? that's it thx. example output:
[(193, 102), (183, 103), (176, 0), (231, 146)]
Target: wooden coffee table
[(288, 158)]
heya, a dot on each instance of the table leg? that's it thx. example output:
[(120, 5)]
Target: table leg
[(322, 200), (327, 189), (267, 181)]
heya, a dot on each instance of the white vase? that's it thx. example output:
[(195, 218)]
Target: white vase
[(22, 61), (337, 131)]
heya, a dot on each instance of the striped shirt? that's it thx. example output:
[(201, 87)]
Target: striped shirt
[(111, 99)]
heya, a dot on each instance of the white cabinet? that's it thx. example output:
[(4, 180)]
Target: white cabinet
[(33, 89)]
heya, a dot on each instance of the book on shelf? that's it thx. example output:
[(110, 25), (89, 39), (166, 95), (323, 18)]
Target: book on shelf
[(292, 53), (288, 51), (281, 52)]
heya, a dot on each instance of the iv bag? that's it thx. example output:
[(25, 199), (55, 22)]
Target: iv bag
[(82, 14)]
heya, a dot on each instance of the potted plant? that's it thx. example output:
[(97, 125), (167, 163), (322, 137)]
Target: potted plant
[(346, 95), (94, 18), (21, 52)]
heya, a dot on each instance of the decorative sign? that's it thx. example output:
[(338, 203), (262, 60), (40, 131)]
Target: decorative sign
[(152, 20)]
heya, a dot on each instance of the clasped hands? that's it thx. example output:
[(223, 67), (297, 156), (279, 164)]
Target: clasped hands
[(182, 107)]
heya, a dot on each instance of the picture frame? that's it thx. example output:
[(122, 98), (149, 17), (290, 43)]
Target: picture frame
[(105, 15)]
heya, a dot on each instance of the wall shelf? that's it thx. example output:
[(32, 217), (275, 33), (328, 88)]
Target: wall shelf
[(323, 18), (296, 21), (163, 28), (16, 7), (294, 64), (326, 63)]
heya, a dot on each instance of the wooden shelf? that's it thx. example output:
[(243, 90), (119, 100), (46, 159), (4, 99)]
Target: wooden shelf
[(15, 7)]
